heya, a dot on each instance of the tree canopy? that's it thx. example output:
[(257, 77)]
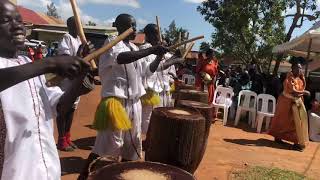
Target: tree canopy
[(91, 23), (172, 33), (204, 46), (52, 10), (245, 29), (248, 29)]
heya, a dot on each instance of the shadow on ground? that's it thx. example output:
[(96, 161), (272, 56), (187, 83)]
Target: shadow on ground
[(260, 143), (85, 143), (89, 126), (71, 165)]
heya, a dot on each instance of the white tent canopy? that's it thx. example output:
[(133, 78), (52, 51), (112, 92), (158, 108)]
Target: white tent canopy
[(300, 45)]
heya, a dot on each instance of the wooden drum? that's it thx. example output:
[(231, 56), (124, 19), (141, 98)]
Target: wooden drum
[(140, 171), (192, 95), (175, 136), (180, 86), (206, 111)]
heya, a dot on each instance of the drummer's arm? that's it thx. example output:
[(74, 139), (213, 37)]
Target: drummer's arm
[(168, 63)]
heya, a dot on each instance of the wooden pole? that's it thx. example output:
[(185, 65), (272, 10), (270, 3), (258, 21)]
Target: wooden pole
[(308, 57), (185, 42), (188, 50), (179, 37), (83, 38), (159, 28), (54, 80), (270, 63), (187, 37)]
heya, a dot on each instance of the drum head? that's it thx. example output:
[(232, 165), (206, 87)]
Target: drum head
[(141, 171), (195, 104)]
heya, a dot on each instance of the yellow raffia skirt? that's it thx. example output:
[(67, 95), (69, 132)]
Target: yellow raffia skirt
[(172, 88), (111, 114), (151, 98)]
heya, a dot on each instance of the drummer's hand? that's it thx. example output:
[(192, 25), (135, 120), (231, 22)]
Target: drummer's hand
[(160, 50), (85, 49), (173, 76), (68, 66), (297, 94), (307, 93)]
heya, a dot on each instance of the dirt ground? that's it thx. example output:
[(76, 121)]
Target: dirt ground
[(229, 148)]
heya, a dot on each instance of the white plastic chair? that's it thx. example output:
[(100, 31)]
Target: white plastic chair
[(264, 111), (185, 78), (314, 127), (223, 99), (247, 105), (191, 80)]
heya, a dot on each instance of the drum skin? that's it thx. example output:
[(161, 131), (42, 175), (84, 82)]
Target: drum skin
[(113, 171)]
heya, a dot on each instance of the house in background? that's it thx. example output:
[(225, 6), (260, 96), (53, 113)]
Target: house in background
[(140, 39), (50, 29)]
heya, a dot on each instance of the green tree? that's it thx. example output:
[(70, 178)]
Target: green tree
[(204, 46), (302, 10), (172, 33), (90, 23), (245, 29), (52, 10)]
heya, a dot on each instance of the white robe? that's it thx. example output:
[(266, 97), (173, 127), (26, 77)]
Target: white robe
[(159, 82), (69, 46), (116, 83), (29, 109)]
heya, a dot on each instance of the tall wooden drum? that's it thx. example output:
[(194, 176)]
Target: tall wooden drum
[(175, 136), (192, 95), (180, 86), (206, 110), (140, 171)]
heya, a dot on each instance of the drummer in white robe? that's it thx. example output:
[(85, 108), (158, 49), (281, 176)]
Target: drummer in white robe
[(68, 46), (159, 83), (28, 106), (121, 70)]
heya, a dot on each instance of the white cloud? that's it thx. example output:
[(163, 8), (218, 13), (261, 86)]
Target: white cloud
[(131, 3), (63, 7), (194, 1), (141, 22), (43, 3), (109, 22), (39, 4)]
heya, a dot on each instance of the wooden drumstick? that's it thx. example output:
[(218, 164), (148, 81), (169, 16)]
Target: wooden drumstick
[(79, 28), (159, 29), (54, 80), (185, 42), (105, 48), (188, 50)]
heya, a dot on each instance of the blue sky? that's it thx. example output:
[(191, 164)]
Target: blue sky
[(103, 12)]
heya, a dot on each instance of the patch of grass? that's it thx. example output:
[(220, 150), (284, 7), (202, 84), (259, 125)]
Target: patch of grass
[(263, 173)]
